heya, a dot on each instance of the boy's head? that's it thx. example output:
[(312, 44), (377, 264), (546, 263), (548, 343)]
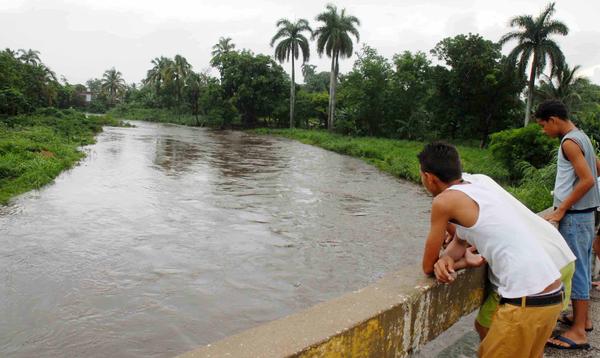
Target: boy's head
[(552, 115), (440, 165)]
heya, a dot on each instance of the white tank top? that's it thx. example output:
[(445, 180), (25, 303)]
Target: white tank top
[(518, 264)]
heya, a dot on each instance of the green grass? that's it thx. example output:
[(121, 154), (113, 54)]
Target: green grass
[(35, 148), (399, 158)]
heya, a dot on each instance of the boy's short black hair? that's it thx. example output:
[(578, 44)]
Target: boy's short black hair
[(442, 160), (550, 108)]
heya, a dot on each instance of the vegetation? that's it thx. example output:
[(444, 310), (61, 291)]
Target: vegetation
[(463, 90), (292, 42), (35, 148), (535, 44), (333, 38)]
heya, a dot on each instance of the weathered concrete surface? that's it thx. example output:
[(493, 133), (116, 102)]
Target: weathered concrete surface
[(390, 318)]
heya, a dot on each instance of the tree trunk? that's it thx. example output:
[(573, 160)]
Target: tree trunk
[(292, 93), (531, 87), (336, 69), (331, 94)]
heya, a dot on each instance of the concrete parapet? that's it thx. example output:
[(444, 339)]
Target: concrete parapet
[(390, 318)]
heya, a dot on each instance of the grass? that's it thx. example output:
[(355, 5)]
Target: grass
[(35, 148), (399, 158)]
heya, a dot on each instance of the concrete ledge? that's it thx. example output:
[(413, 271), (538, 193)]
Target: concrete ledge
[(390, 318)]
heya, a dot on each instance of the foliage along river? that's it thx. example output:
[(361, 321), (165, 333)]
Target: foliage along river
[(167, 237)]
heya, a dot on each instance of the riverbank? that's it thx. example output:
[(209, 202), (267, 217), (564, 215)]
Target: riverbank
[(399, 158), (35, 148)]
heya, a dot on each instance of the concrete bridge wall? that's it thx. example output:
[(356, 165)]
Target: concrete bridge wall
[(390, 318)]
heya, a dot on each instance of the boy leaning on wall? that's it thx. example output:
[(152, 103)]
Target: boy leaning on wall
[(576, 198), (527, 280)]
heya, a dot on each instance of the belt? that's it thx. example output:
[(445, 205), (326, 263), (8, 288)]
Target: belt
[(581, 211), (543, 300)]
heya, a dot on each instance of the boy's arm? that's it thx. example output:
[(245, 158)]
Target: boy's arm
[(583, 172), (456, 249), (437, 232)]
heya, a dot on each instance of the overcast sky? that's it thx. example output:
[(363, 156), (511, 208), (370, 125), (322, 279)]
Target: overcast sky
[(81, 39)]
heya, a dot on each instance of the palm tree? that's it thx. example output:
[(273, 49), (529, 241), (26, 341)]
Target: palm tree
[(160, 73), (181, 70), (221, 48), (562, 86), (333, 38), (535, 44), (31, 57), (291, 43), (308, 70), (113, 84)]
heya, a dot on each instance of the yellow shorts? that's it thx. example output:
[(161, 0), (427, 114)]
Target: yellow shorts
[(486, 311), (519, 331)]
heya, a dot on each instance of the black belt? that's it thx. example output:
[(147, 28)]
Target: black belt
[(543, 300), (588, 210)]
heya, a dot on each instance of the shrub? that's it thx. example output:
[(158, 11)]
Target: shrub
[(528, 144)]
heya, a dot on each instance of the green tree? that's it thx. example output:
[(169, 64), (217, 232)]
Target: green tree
[(477, 93), (113, 84), (255, 84), (30, 56), (180, 71), (221, 48), (535, 46), (333, 38), (363, 92), (563, 85), (291, 43)]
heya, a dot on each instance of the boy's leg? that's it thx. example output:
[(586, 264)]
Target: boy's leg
[(519, 331), (486, 312), (578, 231)]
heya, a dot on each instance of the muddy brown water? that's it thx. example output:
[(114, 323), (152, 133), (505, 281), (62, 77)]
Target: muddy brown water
[(165, 238)]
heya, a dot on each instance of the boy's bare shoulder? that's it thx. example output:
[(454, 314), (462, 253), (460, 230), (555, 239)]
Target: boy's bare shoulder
[(449, 199)]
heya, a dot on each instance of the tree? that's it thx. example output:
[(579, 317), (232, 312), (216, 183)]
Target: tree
[(291, 43), (563, 85), (333, 38), (255, 84), (113, 84), (363, 92), (536, 46), (30, 56), (180, 71), (477, 93), (223, 47)]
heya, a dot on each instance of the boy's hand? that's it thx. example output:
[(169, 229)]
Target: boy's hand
[(556, 215), (473, 259), (444, 269)]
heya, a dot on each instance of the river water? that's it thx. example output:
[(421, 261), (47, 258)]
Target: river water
[(165, 238)]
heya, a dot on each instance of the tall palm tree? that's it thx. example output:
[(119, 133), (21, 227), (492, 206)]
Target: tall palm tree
[(222, 47), (562, 86), (181, 70), (31, 57), (535, 45), (160, 73), (333, 38), (291, 43), (113, 84)]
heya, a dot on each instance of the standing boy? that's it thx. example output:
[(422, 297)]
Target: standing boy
[(526, 278), (576, 198)]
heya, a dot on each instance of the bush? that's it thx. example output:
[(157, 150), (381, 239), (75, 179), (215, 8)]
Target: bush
[(528, 144)]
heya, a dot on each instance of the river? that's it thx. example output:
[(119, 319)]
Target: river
[(165, 238)]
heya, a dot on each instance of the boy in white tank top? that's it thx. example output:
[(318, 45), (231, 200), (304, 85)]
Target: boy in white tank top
[(526, 277)]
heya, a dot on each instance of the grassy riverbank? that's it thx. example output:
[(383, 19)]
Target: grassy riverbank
[(35, 148), (399, 158)]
